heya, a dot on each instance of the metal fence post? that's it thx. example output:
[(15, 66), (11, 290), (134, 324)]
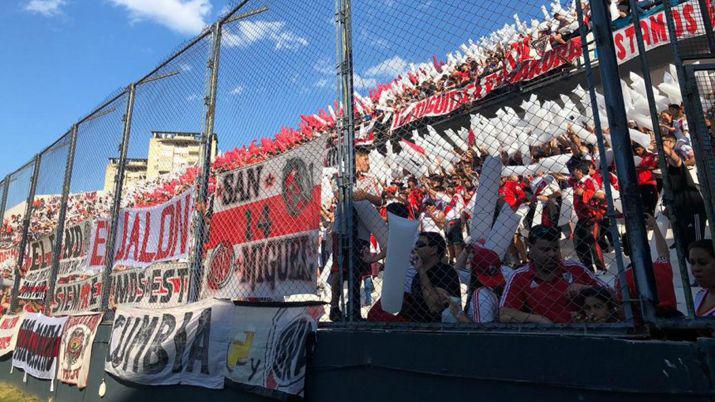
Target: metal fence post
[(662, 163), (116, 203), (346, 151), (604, 165), (687, 93), (25, 231), (625, 166), (59, 234), (3, 201), (206, 153)]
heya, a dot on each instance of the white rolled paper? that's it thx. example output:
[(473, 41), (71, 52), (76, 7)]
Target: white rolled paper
[(642, 139), (370, 217), (502, 233), (401, 240), (554, 164), (567, 213), (519, 170), (485, 199)]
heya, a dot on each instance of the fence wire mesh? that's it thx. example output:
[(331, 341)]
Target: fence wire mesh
[(90, 194), (153, 243), (46, 204), (693, 23), (275, 118), (20, 183), (480, 186)]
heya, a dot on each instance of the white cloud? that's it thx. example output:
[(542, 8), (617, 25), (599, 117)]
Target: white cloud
[(391, 67), (325, 66), (361, 83), (246, 33), (183, 16), (238, 90), (185, 67), (192, 97), (48, 8)]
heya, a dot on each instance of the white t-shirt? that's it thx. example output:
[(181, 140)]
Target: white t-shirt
[(428, 224), (454, 208), (484, 306)]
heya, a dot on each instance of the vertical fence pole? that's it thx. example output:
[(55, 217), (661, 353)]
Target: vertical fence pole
[(662, 163), (116, 202), (346, 153), (3, 201), (708, 25), (687, 92), (206, 148), (613, 227), (57, 247), (625, 166), (25, 231)]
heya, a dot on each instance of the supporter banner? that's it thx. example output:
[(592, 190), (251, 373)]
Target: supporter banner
[(38, 344), (40, 252), (263, 238), (8, 259), (147, 235), (268, 347), (180, 345), (162, 284), (33, 286), (688, 24), (9, 326), (76, 348), (78, 296), (448, 102)]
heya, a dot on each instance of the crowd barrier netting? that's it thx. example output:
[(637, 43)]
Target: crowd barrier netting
[(481, 185)]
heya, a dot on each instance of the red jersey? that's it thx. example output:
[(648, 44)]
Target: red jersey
[(512, 193), (663, 273), (645, 170), (583, 204), (612, 178), (524, 292)]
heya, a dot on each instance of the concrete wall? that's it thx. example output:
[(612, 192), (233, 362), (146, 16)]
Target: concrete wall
[(421, 366)]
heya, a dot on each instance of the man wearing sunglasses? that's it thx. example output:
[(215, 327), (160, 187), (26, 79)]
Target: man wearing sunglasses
[(425, 301)]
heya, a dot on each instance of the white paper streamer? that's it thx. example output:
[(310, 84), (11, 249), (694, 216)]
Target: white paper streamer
[(370, 217), (485, 199), (401, 241), (502, 234)]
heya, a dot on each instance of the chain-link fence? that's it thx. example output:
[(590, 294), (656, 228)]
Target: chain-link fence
[(430, 162)]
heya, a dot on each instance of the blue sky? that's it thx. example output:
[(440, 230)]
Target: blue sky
[(61, 58)]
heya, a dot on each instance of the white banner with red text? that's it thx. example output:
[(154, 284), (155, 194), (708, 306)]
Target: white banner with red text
[(146, 235), (263, 241), (38, 344), (440, 105), (688, 22), (9, 327)]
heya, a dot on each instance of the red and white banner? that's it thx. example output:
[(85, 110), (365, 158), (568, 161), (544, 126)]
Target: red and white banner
[(264, 231), (448, 102), (146, 235), (688, 24), (9, 326)]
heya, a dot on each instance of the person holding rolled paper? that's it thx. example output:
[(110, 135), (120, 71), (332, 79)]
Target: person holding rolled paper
[(368, 189), (545, 290), (588, 204)]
